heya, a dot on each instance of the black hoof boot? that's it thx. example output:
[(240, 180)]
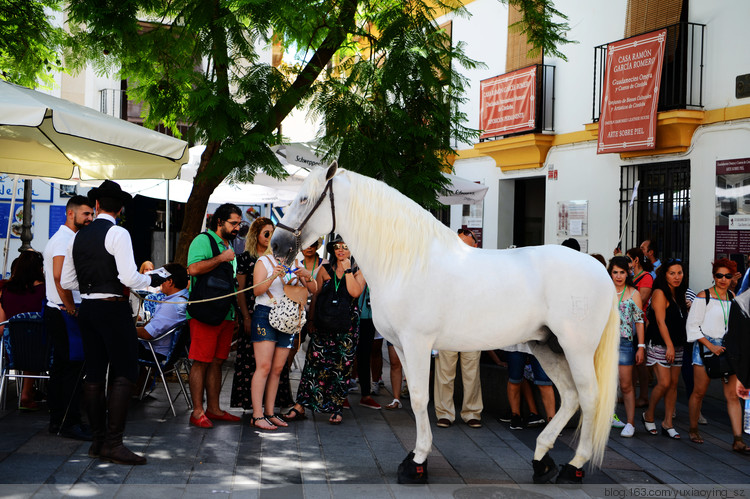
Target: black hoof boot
[(570, 474), (544, 470), (410, 473)]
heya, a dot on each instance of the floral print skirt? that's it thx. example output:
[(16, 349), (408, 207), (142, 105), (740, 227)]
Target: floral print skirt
[(328, 366)]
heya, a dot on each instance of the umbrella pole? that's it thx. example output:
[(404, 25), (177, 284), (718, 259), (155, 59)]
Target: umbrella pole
[(10, 218), (166, 228)]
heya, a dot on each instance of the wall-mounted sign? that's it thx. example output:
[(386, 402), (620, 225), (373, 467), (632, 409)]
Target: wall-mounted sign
[(732, 232), (41, 192), (508, 103), (631, 93)]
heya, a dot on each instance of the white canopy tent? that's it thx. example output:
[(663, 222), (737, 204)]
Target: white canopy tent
[(462, 191)]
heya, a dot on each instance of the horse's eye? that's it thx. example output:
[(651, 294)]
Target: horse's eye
[(303, 200)]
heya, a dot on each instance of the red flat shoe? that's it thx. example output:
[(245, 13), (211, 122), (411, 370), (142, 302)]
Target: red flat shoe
[(224, 417), (201, 422)]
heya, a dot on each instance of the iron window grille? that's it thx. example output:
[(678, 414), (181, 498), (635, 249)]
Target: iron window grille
[(681, 74), (662, 209)]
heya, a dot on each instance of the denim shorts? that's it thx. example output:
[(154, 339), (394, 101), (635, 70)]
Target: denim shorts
[(261, 329), (697, 359), (517, 362), (627, 352)]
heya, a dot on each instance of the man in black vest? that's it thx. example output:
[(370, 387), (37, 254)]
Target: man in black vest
[(100, 264)]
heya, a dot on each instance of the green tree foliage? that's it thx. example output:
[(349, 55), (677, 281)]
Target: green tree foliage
[(30, 46), (381, 75)]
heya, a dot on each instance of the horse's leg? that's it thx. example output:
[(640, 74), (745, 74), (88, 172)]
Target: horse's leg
[(415, 360), (558, 370)]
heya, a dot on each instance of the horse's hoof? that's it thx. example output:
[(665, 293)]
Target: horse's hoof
[(410, 473), (544, 470), (570, 474)]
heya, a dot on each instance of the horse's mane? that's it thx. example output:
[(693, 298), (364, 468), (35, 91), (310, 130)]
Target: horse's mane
[(391, 228)]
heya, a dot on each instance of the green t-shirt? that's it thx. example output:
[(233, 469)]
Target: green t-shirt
[(200, 249)]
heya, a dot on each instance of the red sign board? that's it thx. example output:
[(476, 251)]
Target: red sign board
[(631, 93), (508, 103)]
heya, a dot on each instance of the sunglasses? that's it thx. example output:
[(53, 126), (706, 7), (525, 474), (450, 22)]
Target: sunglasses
[(467, 232), (267, 233), (725, 276), (340, 246)]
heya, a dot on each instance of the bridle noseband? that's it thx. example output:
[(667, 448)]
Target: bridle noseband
[(298, 231)]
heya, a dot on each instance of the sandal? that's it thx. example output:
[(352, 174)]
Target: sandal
[(695, 437), (277, 417), (740, 447), (396, 404), (670, 432), (254, 422), (336, 418), (649, 425), (294, 415)]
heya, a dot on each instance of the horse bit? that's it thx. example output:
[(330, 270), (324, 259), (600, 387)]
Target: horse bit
[(298, 231)]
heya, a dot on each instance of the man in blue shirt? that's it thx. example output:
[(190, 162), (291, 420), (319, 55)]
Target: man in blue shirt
[(166, 315)]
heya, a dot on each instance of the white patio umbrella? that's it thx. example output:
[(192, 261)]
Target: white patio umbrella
[(41, 135), (462, 191)]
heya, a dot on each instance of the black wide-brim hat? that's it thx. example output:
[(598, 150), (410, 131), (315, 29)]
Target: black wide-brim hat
[(109, 189), (336, 239)]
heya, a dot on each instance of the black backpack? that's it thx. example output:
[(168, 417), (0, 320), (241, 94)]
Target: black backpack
[(218, 282), (332, 312)]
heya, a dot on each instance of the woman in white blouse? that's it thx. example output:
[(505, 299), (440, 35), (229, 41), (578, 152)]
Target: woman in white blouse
[(706, 325)]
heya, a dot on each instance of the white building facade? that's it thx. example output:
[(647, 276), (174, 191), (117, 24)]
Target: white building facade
[(550, 184)]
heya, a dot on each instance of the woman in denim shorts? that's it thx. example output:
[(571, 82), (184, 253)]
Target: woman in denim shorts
[(666, 340), (631, 321), (706, 325), (271, 347)]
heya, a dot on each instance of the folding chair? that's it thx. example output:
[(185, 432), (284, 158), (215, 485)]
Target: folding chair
[(175, 362), (25, 347)]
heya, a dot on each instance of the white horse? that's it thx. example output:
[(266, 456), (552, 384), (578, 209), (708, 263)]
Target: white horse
[(430, 290)]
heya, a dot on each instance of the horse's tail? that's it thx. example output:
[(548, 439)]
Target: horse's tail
[(606, 368)]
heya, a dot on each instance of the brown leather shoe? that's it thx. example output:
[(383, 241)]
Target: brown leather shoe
[(474, 423), (444, 423)]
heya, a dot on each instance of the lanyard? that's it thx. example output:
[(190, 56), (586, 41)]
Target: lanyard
[(723, 311), (622, 295), (312, 272), (336, 281)]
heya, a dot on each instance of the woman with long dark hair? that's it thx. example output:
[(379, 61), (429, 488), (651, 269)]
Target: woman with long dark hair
[(666, 338), (330, 355), (24, 292)]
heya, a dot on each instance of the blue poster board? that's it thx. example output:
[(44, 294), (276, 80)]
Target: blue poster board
[(41, 191), (57, 217), (15, 229), (4, 212)]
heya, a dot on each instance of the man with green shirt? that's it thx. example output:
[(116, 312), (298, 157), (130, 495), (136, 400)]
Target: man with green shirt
[(209, 344)]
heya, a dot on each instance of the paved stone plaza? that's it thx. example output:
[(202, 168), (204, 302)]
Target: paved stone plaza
[(358, 458)]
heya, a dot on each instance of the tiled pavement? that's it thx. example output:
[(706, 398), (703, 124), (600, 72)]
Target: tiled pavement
[(356, 459)]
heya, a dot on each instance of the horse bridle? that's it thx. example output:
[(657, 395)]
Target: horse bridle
[(298, 231)]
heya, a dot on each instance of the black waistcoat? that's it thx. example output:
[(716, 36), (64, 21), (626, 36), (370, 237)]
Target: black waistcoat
[(96, 268)]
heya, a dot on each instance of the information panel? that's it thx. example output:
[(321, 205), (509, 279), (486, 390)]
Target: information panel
[(508, 103)]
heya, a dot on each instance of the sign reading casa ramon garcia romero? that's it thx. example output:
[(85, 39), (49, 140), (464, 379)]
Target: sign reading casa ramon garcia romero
[(508, 103), (631, 93)]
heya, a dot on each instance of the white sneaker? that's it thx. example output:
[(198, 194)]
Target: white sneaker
[(616, 423), (702, 419), (628, 431), (375, 388)]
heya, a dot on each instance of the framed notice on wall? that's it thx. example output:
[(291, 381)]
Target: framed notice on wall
[(631, 93), (732, 210), (508, 103)]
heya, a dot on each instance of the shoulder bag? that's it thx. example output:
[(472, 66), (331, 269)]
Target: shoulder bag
[(218, 282), (717, 366), (287, 314)]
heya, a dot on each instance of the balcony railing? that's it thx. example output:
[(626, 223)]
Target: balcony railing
[(681, 74), (110, 101), (545, 103)]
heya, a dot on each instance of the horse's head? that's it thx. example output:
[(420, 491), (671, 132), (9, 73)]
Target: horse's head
[(308, 217)]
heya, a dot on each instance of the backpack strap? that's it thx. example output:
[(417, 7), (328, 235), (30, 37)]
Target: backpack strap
[(214, 246), (708, 296)]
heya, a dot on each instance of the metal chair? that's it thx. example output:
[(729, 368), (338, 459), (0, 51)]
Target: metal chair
[(175, 362), (25, 347)]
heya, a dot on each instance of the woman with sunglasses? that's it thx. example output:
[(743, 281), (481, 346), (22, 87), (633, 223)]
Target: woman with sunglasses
[(706, 325), (256, 245), (666, 338), (631, 327), (330, 355)]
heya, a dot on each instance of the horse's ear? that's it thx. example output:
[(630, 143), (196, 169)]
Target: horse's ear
[(332, 170)]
